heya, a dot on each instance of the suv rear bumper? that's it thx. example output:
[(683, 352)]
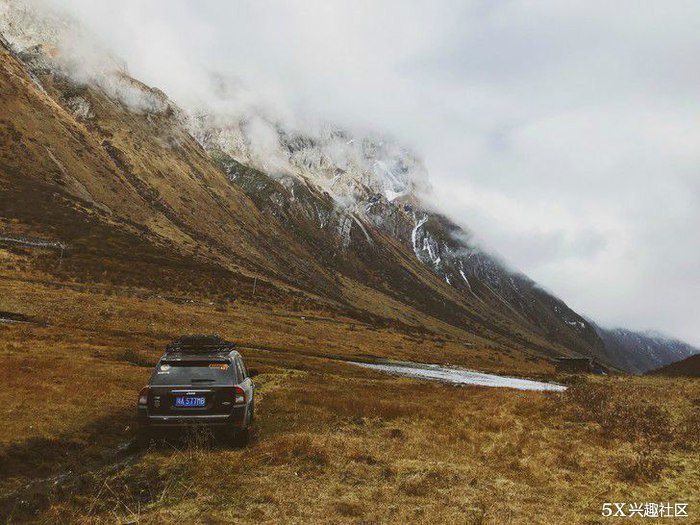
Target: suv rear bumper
[(236, 419)]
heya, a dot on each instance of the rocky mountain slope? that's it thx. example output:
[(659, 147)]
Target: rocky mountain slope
[(688, 367), (317, 216), (643, 351)]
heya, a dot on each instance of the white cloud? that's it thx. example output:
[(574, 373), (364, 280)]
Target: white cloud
[(565, 134)]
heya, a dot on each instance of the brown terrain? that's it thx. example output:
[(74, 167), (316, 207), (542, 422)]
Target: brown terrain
[(119, 233), (689, 367)]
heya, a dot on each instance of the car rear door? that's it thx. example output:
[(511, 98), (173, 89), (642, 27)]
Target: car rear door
[(192, 388)]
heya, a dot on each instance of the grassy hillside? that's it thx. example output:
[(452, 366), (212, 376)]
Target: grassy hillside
[(140, 203), (156, 241), (331, 441)]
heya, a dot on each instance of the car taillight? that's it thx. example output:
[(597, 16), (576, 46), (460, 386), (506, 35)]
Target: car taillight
[(238, 396), (143, 396)]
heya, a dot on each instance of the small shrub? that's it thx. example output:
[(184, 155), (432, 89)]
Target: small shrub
[(425, 481), (134, 357), (349, 508), (645, 464), (361, 457), (649, 423), (395, 433)]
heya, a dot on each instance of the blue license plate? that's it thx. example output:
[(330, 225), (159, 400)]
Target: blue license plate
[(189, 401)]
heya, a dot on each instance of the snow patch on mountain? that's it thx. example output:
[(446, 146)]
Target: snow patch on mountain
[(344, 181), (350, 169)]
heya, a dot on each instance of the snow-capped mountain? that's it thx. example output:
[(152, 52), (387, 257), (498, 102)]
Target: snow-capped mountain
[(317, 209), (375, 181)]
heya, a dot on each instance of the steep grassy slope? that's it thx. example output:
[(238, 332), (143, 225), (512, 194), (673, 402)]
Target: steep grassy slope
[(129, 188), (688, 367), (141, 176), (150, 238)]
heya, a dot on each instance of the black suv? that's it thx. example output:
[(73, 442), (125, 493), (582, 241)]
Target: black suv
[(200, 381)]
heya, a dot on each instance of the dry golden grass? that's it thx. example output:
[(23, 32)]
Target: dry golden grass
[(486, 456), (333, 442)]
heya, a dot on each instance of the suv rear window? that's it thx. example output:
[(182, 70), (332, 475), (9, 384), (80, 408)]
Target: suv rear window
[(186, 372)]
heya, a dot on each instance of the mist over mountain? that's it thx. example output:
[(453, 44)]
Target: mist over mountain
[(341, 200), (641, 352), (562, 136)]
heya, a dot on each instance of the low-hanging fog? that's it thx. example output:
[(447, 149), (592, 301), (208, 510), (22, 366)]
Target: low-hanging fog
[(565, 135)]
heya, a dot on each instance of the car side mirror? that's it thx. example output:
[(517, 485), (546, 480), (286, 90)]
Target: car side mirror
[(252, 372)]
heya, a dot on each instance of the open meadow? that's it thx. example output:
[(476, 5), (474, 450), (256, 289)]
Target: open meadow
[(332, 442)]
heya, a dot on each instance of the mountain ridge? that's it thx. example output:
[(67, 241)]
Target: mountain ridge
[(688, 367), (641, 352), (331, 210)]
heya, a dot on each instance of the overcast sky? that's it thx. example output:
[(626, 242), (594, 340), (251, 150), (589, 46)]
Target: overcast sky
[(564, 134)]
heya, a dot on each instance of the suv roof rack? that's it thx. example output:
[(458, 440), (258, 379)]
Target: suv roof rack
[(199, 344)]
